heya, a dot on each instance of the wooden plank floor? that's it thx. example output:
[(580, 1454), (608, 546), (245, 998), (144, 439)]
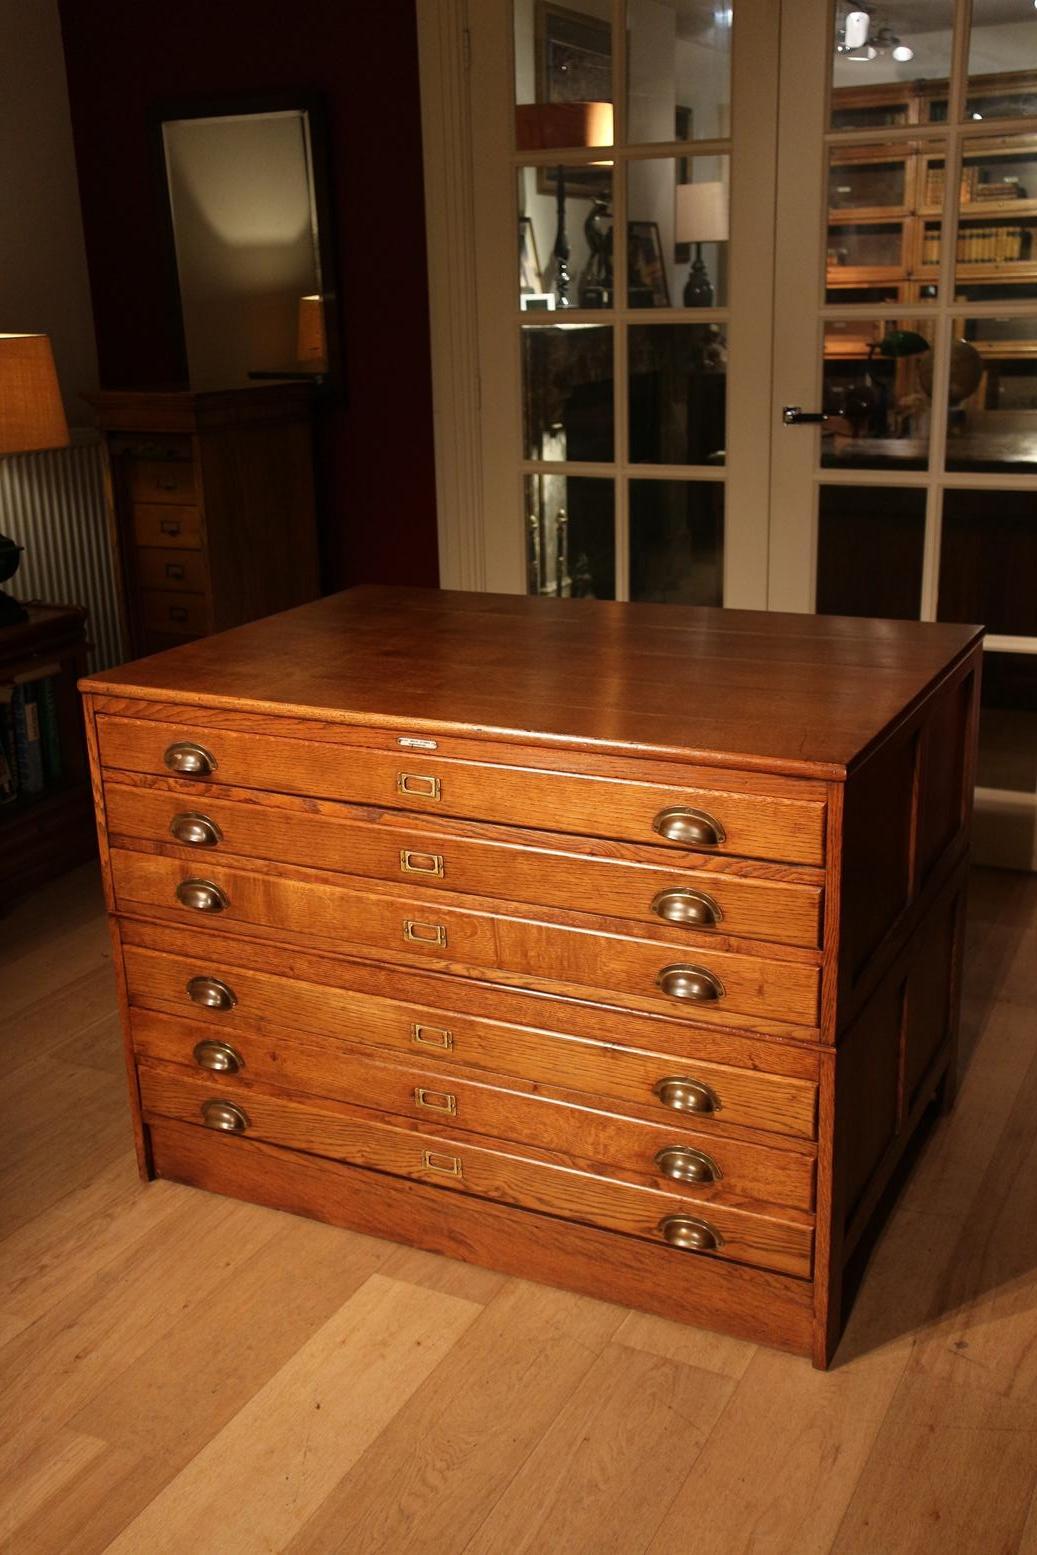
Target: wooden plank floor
[(186, 1375)]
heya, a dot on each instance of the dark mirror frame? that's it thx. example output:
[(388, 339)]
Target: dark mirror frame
[(228, 105)]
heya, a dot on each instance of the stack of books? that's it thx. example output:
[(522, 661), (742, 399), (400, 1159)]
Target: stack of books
[(30, 735)]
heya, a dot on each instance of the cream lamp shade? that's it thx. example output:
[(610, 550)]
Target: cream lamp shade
[(544, 126), (312, 348), (702, 215), (31, 413)]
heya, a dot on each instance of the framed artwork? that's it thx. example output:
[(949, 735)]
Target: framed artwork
[(573, 65), (647, 282), (531, 278)]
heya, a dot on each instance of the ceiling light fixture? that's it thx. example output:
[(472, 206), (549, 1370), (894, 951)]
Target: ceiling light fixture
[(859, 40)]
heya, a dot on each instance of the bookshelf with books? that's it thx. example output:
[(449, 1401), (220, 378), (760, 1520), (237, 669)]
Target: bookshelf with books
[(886, 197), (45, 815)]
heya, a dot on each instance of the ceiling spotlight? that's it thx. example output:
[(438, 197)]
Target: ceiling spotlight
[(903, 52), (855, 31)]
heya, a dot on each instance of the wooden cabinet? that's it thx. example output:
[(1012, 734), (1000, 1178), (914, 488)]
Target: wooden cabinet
[(629, 961), (48, 827), (885, 199), (214, 506)]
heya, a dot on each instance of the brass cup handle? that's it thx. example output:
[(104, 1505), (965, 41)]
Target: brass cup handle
[(224, 1116), (683, 1164), (685, 1095), (690, 982), (195, 831), (212, 993), (219, 1057), (691, 1234), (189, 760), (691, 828), (202, 895), (691, 909)]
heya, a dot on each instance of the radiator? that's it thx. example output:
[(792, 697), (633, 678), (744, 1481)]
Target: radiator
[(55, 504)]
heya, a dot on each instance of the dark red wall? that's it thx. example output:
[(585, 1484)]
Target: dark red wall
[(375, 458)]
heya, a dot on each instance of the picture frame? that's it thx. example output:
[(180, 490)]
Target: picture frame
[(573, 65), (531, 277), (646, 270)]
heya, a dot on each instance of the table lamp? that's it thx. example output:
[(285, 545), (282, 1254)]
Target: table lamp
[(31, 418), (311, 350), (543, 126), (701, 217)]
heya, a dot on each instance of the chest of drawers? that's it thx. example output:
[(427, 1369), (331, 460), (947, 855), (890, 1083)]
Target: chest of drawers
[(614, 946)]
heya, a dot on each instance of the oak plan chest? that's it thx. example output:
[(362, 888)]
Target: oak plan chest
[(616, 946)]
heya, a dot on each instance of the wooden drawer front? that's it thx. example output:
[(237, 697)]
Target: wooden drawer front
[(162, 480), (163, 610), (445, 1097), (179, 528), (782, 1240), (446, 1038), (180, 571), (759, 826), (748, 985), (391, 848)]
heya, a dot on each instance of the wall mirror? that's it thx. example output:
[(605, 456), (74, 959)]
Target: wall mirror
[(251, 235)]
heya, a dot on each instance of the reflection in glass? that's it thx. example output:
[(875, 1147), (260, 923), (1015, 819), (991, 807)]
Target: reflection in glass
[(988, 560), (562, 55), (866, 245), (877, 380), (580, 223), (867, 178), (902, 44), (1008, 723), (992, 402), (570, 549), (677, 542), (679, 70), (870, 541), (677, 232), (567, 382), (678, 382), (997, 229), (1003, 40)]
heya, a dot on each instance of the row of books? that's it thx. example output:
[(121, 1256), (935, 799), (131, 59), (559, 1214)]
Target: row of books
[(971, 187), (981, 245), (30, 736)]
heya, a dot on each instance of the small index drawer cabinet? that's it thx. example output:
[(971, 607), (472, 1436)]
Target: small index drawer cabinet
[(612, 945)]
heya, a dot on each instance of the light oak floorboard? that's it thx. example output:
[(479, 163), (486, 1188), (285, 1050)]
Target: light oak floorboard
[(281, 1455), (163, 1351)]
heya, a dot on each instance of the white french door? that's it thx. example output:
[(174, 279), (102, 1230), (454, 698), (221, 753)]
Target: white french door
[(653, 224)]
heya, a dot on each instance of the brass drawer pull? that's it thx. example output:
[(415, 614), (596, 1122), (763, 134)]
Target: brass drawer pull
[(211, 993), (417, 786), (690, 982), (694, 1236), (175, 572), (189, 760), (421, 863), (685, 1095), (683, 1164), (166, 482), (437, 1162), (219, 1057), (691, 828), (435, 1101), (170, 526), (431, 1036), (195, 831), (223, 1115), (202, 896), (691, 909), (178, 612), (424, 933)]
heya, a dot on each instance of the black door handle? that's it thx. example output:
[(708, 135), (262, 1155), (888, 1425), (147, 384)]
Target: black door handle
[(792, 416)]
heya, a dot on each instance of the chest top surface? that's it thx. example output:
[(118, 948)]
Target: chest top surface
[(780, 693)]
